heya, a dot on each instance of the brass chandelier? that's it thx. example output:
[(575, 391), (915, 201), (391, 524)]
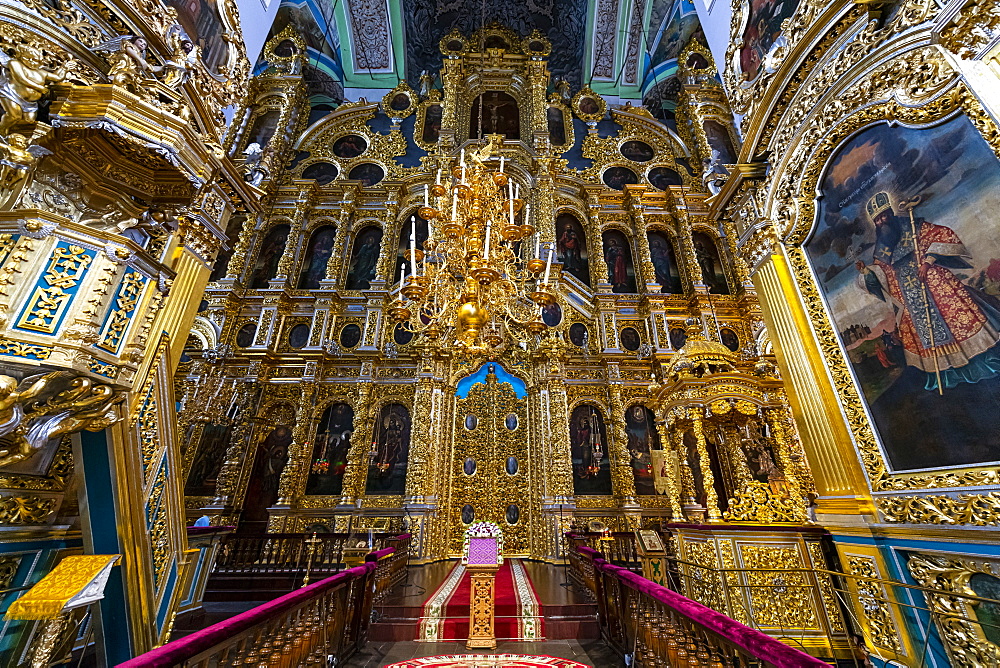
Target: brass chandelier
[(478, 281)]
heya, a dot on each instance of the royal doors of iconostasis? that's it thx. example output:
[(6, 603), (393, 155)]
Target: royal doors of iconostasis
[(490, 470)]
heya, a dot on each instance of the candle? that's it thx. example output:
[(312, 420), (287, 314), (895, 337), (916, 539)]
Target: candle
[(511, 201), (454, 206), (463, 173), (548, 265), (413, 245), (489, 227), (402, 272), (427, 196), (527, 213), (538, 245), (438, 179), (501, 164), (462, 161)]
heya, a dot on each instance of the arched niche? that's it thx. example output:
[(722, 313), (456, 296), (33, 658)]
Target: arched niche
[(318, 252), (589, 452), (268, 256), (571, 246), (364, 258), (390, 451), (713, 272), (618, 258), (331, 444), (640, 425), (500, 115), (664, 259)]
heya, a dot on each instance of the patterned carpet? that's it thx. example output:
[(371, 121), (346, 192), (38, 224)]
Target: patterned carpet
[(487, 661)]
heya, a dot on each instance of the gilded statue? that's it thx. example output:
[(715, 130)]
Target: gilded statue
[(127, 58), (426, 83), (23, 82), (183, 59), (47, 406), (17, 162)]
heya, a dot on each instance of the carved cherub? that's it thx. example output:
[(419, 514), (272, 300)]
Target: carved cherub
[(47, 406), (17, 162), (127, 58), (563, 90), (23, 82)]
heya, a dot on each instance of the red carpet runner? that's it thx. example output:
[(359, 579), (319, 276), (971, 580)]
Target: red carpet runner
[(446, 612)]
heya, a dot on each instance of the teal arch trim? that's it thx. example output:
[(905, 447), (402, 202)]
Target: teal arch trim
[(464, 385)]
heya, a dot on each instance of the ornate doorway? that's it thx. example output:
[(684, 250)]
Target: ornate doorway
[(490, 472)]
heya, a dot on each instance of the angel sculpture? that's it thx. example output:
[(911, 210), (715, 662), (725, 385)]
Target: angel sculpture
[(17, 162), (183, 60), (562, 89), (127, 58), (23, 82), (47, 406), (426, 83), (714, 174)]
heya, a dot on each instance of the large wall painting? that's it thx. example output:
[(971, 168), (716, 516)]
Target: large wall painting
[(762, 30), (390, 452), (589, 452), (333, 441), (364, 258), (317, 256), (208, 458), (913, 309), (271, 250), (618, 257)]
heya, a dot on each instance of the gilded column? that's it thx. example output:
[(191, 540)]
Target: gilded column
[(357, 459), (238, 260), (686, 250), (673, 484), (621, 474), (599, 268), (299, 450), (418, 470), (303, 203), (697, 416)]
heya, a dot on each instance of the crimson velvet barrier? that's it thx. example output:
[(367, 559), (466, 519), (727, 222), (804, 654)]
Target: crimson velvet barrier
[(326, 619), (653, 623)]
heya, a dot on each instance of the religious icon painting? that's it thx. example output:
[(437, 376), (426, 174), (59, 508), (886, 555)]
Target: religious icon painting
[(350, 336), (571, 247), (318, 252), (368, 173), (400, 102), (269, 461), (469, 466), (468, 514), (987, 613), (552, 314), (761, 32), (401, 336), (511, 422), (511, 466), (322, 172), (208, 460), (629, 337), (678, 337), (618, 257), (330, 448), (640, 426), (471, 422), (364, 258), (512, 514), (662, 178), (578, 334), (706, 253), (390, 452), (589, 452), (432, 123), (636, 151), (245, 335), (557, 125), (350, 146), (617, 178), (298, 337), (263, 128), (589, 105), (661, 253), (721, 143), (907, 255), (729, 339), (269, 256)]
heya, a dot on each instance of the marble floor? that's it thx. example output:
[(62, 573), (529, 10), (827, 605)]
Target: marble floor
[(588, 652)]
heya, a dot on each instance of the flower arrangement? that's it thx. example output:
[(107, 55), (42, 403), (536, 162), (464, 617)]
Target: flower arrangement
[(483, 530)]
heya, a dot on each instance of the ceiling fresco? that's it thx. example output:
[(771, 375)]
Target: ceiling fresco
[(562, 21)]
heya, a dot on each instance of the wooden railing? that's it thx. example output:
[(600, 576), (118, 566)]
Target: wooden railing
[(617, 547), (659, 627), (288, 553), (321, 624)]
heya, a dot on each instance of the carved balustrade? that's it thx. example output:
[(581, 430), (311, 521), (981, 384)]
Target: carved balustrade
[(657, 626), (323, 623), (288, 553)]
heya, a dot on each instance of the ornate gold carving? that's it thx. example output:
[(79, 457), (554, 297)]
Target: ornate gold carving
[(26, 509), (47, 303), (780, 599), (872, 603)]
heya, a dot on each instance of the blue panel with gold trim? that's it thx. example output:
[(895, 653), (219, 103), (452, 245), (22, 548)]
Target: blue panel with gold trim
[(7, 242), (116, 323), (55, 289)]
